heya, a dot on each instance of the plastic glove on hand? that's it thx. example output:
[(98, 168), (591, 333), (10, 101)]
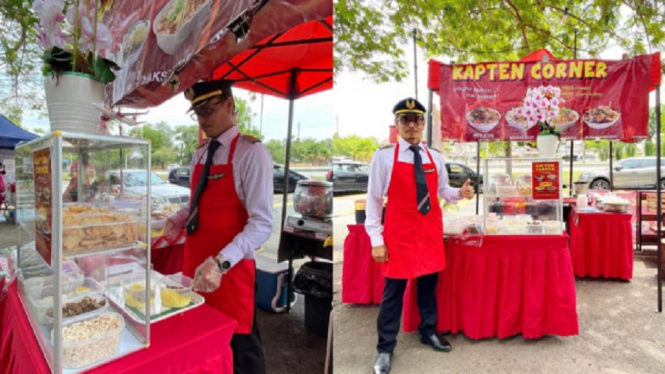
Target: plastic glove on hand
[(207, 276)]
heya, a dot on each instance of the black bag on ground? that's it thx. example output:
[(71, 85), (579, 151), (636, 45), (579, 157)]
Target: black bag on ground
[(314, 279)]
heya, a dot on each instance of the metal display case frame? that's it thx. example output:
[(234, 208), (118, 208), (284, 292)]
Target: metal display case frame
[(134, 336)]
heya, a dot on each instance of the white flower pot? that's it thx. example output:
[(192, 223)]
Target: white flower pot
[(547, 145), (69, 100)]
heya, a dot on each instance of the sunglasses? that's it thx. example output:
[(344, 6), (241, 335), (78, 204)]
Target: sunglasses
[(406, 120), (207, 110)]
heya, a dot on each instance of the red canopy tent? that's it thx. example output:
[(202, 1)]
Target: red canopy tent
[(290, 65)]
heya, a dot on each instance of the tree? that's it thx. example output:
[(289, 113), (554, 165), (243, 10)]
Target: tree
[(356, 147), (188, 137), (244, 119), (371, 38)]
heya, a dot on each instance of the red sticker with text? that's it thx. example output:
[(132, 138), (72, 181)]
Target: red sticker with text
[(546, 181)]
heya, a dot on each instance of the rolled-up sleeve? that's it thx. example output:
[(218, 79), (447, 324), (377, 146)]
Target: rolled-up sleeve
[(450, 194), (256, 174), (378, 176)]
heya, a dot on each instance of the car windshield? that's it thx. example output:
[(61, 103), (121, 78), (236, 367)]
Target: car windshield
[(138, 179)]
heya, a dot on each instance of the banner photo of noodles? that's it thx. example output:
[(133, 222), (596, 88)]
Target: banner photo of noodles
[(598, 99)]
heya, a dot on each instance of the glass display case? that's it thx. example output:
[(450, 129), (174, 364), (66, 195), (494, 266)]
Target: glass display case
[(525, 201), (83, 261)]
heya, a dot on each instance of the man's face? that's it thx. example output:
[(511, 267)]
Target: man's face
[(410, 127), (215, 116)]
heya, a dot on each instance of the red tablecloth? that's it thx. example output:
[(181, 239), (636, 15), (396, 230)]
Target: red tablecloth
[(362, 279), (197, 341), (601, 244), (506, 286)]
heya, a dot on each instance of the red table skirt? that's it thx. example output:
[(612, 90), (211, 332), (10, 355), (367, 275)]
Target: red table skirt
[(362, 279), (601, 244), (507, 286), (197, 341)]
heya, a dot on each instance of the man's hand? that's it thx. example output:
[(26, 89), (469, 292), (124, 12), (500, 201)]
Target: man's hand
[(467, 191), (207, 276), (380, 253)]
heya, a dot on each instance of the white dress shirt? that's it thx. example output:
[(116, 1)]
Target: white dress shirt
[(380, 172), (253, 178)]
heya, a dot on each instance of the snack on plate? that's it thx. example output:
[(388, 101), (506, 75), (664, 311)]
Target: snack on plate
[(92, 340), (483, 119), (92, 228), (566, 119), (601, 117)]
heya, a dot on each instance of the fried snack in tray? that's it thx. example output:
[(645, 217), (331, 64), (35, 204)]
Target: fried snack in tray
[(92, 228)]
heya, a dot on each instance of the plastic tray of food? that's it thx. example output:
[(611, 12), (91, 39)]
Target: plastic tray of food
[(95, 229), (175, 291), (78, 308), (134, 290), (91, 340), (71, 290)]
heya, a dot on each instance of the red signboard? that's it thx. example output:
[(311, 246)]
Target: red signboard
[(602, 99), (546, 181), (43, 202)]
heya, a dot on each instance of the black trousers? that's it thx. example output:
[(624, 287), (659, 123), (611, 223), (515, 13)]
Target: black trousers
[(390, 312), (248, 355)]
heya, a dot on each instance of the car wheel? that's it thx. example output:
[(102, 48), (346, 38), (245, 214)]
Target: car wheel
[(662, 184), (600, 184)]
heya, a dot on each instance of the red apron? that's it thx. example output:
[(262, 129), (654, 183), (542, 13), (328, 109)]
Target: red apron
[(414, 241), (221, 217)]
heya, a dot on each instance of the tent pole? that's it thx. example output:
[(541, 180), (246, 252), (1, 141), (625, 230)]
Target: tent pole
[(570, 182), (429, 118), (478, 176), (659, 211), (287, 163), (611, 168)]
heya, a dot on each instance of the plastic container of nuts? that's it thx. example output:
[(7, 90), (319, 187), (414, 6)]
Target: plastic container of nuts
[(92, 340)]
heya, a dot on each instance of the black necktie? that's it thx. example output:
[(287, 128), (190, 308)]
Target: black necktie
[(422, 194), (193, 221)]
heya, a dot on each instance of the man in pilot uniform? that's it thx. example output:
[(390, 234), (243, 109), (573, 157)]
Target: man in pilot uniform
[(229, 215), (410, 242)]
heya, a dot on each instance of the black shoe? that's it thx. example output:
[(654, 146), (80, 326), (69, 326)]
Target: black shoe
[(439, 343), (382, 364)]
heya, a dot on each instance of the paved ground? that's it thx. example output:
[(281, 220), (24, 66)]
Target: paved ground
[(619, 330)]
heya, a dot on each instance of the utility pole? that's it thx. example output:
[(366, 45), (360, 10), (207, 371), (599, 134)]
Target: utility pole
[(415, 61), (298, 130)]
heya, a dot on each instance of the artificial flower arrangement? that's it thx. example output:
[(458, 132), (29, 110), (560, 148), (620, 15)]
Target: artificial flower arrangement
[(541, 106), (72, 38)]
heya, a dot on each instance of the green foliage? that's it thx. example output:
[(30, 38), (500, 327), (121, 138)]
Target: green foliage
[(546, 129), (372, 37), (244, 119), (356, 147), (649, 148), (188, 136), (277, 150), (304, 151)]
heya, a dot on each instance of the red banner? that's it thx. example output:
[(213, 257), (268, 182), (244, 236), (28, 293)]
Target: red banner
[(43, 202), (601, 99), (546, 181)]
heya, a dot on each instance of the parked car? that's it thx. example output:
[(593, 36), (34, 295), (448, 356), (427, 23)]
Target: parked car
[(278, 179), (629, 173), (173, 166), (180, 176), (348, 176), (135, 182), (458, 174)]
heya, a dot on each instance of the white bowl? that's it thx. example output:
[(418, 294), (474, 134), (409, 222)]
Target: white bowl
[(484, 127), (601, 126), (519, 126), (566, 125), (170, 43)]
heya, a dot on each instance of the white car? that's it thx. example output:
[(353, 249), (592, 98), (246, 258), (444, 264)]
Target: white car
[(135, 183)]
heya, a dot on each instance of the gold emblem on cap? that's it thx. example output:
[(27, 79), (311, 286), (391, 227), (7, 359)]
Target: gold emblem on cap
[(410, 104), (189, 94)]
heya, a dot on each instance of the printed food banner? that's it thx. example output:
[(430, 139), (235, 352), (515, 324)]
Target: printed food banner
[(545, 179), (159, 42), (43, 202), (601, 99)]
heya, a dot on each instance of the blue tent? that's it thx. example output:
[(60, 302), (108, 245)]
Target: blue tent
[(10, 134)]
